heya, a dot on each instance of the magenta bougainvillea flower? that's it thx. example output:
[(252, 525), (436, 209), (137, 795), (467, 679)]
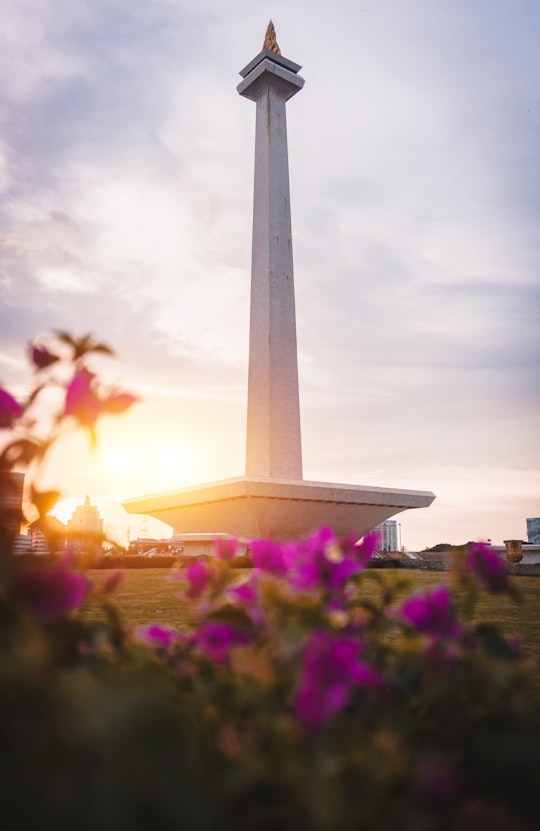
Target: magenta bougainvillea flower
[(247, 595), (54, 591), (490, 570), (432, 613), (331, 669), (269, 556), (198, 576), (10, 409), (81, 400), (161, 638), (225, 548), (216, 639), (84, 403), (326, 561), (323, 560), (368, 546)]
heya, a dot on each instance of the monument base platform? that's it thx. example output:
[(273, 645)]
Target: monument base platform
[(256, 507)]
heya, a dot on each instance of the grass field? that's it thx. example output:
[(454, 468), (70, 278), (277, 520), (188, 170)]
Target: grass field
[(148, 596)]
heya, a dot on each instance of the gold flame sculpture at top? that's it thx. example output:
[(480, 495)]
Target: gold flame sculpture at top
[(270, 41)]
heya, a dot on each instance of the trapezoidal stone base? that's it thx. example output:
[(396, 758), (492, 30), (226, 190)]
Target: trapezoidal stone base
[(256, 507)]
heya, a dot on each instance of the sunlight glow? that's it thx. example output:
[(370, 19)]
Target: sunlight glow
[(116, 461), (130, 464), (64, 508)]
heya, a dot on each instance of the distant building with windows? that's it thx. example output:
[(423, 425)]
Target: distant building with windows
[(388, 532), (22, 544), (85, 528), (39, 543), (48, 536), (11, 499), (533, 530)]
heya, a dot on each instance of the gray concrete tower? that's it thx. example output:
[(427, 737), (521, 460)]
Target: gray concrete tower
[(273, 442)]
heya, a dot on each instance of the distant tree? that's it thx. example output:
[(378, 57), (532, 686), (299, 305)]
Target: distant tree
[(446, 546), (441, 546)]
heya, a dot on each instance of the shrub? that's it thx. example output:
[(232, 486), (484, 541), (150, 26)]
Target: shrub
[(292, 701)]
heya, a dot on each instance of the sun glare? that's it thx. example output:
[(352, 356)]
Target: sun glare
[(64, 508), (136, 465), (116, 461)]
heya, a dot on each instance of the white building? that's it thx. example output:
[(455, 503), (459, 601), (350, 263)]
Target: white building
[(85, 519), (388, 531), (85, 528)]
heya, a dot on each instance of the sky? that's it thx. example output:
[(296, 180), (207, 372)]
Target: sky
[(126, 176)]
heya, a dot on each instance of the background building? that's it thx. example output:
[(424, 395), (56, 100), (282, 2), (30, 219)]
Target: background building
[(48, 536), (22, 544), (85, 528), (533, 530), (388, 531), (11, 498)]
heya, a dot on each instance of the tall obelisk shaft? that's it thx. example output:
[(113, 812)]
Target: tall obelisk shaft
[(273, 419)]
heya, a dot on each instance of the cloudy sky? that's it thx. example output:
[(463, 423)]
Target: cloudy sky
[(126, 167)]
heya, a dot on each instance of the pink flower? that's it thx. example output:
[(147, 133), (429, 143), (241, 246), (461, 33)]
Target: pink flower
[(225, 548), (327, 561), (269, 556), (247, 595), (161, 638), (216, 639), (198, 575), (10, 409), (368, 546), (432, 613), (331, 670), (54, 591), (323, 560), (84, 403), (81, 401), (490, 570)]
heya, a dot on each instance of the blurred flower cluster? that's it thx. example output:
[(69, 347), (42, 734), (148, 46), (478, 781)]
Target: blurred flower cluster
[(293, 697), (66, 394)]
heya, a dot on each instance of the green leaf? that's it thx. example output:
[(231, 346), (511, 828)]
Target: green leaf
[(493, 642), (231, 615)]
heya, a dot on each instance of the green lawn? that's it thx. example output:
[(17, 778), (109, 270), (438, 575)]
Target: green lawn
[(148, 596)]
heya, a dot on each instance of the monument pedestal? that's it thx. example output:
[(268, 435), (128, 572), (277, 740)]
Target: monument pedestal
[(255, 507)]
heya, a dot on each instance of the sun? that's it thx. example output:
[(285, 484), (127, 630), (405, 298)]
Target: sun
[(141, 463), (117, 460)]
